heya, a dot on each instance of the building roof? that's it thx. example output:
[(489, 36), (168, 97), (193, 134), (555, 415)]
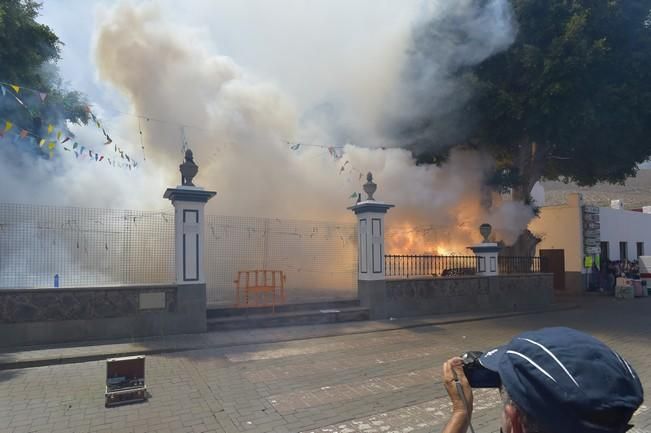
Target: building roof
[(635, 194)]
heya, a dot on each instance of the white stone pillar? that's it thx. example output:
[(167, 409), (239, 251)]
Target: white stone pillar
[(371, 284), (487, 258), (189, 202), (370, 217)]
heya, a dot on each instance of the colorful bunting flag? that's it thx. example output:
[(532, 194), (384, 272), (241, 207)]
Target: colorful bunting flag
[(101, 157), (3, 90), (42, 96), (8, 126), (59, 133), (296, 146), (23, 133), (51, 145), (50, 128), (16, 88), (42, 142), (66, 139), (74, 146)]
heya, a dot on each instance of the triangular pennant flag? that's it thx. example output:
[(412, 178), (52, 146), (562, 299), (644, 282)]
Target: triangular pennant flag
[(50, 128), (66, 139), (82, 150), (43, 96), (74, 146), (101, 157), (59, 133), (8, 126), (109, 141), (3, 90), (135, 164), (97, 123), (51, 145), (16, 88), (23, 133), (90, 153), (127, 156), (76, 155), (296, 146), (42, 142), (95, 157), (66, 149)]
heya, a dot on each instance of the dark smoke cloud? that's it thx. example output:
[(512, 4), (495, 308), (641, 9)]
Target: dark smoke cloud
[(429, 109)]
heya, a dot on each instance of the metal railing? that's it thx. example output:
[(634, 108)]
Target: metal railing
[(520, 264), (408, 266), (429, 266)]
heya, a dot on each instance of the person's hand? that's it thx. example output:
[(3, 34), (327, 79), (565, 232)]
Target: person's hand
[(452, 370)]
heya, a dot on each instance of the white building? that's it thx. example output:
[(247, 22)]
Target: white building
[(620, 234)]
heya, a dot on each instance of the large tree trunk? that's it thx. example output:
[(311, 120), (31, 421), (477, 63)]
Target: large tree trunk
[(530, 162)]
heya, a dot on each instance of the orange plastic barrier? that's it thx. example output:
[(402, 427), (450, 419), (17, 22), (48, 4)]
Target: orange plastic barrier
[(258, 288)]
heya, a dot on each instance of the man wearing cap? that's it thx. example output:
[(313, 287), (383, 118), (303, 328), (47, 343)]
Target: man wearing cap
[(555, 380)]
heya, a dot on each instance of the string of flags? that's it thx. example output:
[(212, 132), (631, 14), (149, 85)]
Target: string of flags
[(336, 153), (56, 137), (51, 141)]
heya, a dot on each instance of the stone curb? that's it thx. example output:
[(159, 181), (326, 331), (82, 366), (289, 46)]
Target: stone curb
[(408, 323)]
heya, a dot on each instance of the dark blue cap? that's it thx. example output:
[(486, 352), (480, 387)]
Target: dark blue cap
[(567, 381)]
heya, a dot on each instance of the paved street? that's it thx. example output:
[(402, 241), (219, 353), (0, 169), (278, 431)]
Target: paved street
[(374, 382)]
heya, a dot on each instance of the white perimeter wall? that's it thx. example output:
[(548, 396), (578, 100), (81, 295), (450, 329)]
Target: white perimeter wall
[(625, 226)]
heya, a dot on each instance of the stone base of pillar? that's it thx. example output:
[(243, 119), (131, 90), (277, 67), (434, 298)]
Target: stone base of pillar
[(372, 295), (191, 308)]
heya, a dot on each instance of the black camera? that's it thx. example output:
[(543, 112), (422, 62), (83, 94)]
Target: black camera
[(478, 375)]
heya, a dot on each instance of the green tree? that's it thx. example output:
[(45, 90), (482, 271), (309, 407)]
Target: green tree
[(28, 55), (570, 98)]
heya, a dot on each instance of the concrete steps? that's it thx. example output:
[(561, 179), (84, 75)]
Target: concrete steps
[(223, 319)]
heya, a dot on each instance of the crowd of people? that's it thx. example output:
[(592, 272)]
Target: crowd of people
[(609, 271)]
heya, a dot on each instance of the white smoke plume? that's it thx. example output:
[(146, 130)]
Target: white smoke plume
[(241, 119)]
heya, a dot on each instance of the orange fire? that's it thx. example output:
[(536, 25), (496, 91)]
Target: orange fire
[(407, 239)]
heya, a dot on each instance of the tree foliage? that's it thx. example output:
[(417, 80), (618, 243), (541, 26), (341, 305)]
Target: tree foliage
[(28, 55), (570, 98)]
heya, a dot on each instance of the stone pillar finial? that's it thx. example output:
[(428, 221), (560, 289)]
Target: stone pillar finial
[(485, 230), (370, 187), (188, 169)]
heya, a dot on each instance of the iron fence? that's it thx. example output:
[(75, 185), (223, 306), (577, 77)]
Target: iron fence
[(84, 246), (408, 266), (520, 264), (429, 266)]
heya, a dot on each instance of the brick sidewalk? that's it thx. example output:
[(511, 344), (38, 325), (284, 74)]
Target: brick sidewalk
[(372, 382)]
